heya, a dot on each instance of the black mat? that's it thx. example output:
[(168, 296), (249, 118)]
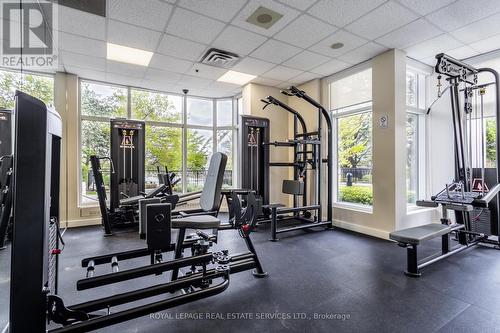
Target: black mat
[(348, 282)]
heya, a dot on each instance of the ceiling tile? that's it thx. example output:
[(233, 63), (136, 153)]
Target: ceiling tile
[(462, 13), (362, 53), (283, 85), (342, 12), (123, 80), (415, 32), (288, 15), (121, 68), (216, 85), (299, 4), (170, 64), (82, 45), (478, 30), (219, 9), (239, 41), (83, 61), (487, 45), (265, 81), (81, 23), (303, 78), (433, 46), (306, 60), (349, 40), (132, 36), (424, 7), (206, 72), (152, 15), (181, 48), (158, 75), (331, 67), (305, 31), (253, 66), (282, 73), (160, 86), (190, 82), (86, 73), (381, 21), (275, 51), (462, 52), (431, 61), (193, 26)]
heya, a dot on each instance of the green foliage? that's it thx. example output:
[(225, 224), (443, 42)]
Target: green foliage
[(411, 197), (356, 194), (491, 144), (355, 140), (39, 86)]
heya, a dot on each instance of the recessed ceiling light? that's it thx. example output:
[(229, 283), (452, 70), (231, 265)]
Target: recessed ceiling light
[(236, 77), (337, 46), (264, 17), (127, 54)]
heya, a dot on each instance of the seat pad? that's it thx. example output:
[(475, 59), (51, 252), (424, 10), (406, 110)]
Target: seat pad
[(419, 234), (196, 222)]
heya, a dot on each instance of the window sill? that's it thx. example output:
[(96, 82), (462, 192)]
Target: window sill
[(413, 209), (354, 207)]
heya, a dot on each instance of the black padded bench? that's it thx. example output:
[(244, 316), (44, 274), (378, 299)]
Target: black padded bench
[(410, 238)]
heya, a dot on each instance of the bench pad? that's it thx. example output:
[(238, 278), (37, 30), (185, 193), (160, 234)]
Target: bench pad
[(196, 222), (419, 234)]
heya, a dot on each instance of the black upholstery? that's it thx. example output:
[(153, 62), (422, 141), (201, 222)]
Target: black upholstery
[(419, 234)]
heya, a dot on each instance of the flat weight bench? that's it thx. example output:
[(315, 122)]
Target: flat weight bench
[(410, 238)]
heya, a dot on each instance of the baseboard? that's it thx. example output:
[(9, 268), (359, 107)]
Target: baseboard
[(81, 223), (361, 229)]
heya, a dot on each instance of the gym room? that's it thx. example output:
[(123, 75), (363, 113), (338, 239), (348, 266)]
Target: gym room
[(249, 166)]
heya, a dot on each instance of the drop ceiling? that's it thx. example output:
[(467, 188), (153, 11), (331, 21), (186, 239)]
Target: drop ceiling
[(294, 50)]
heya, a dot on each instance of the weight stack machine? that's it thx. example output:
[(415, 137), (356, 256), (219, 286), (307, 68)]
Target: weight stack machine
[(5, 175), (128, 157), (5, 132), (255, 159)]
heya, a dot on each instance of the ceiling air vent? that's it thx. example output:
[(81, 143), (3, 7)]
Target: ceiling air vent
[(264, 17), (220, 58)]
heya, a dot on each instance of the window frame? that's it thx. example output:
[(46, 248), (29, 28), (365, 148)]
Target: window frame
[(335, 116), (183, 125), (420, 111)]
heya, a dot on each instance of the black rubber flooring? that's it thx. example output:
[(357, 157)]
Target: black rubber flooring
[(321, 281)]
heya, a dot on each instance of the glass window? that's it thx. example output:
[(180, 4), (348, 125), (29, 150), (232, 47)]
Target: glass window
[(412, 158), (411, 89), (352, 117), (225, 112), (166, 129), (415, 143), (199, 150), (225, 145), (351, 90), (94, 141), (200, 112), (163, 149), (156, 107), (103, 101), (491, 142), (354, 153), (39, 86)]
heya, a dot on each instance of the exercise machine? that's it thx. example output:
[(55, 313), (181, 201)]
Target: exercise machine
[(307, 152), (5, 198), (128, 159), (255, 160), (5, 132), (127, 212), (35, 305), (473, 193)]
